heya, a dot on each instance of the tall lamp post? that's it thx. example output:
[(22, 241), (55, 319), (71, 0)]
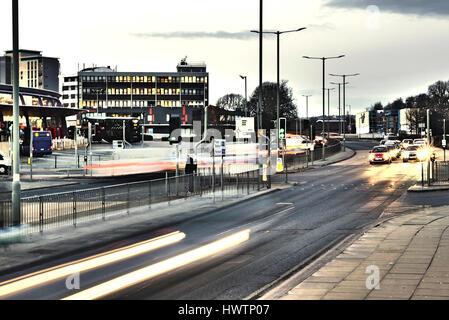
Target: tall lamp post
[(246, 99), (15, 195), (278, 33), (339, 103), (344, 76), (324, 89), (307, 104), (328, 109)]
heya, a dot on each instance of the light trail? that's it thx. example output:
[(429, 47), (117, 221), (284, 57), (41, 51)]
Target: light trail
[(48, 275), (159, 268)]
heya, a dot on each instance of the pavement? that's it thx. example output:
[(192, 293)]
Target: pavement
[(409, 252)]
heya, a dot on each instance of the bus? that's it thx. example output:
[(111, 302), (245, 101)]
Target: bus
[(42, 144)]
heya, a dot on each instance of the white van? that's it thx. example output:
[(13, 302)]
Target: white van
[(5, 163)]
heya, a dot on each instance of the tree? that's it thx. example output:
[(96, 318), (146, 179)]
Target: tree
[(439, 97), (287, 108), (377, 106), (231, 102)]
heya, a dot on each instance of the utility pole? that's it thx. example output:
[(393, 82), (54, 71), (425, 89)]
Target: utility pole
[(15, 195)]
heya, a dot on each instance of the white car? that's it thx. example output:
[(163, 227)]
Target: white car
[(5, 163)]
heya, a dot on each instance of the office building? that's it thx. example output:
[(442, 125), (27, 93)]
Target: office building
[(35, 70)]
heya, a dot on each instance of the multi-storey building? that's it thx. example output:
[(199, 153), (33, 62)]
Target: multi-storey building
[(153, 97), (35, 70)]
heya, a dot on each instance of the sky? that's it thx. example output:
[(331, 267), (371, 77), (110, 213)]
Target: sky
[(398, 47)]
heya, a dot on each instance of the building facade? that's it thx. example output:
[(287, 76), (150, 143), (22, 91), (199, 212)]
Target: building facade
[(153, 97), (35, 70)]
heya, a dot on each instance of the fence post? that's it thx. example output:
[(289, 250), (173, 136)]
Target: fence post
[(127, 200), (74, 209), (149, 194), (103, 204), (56, 157), (41, 215)]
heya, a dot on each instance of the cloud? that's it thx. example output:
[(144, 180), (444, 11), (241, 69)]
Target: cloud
[(417, 7), (242, 35)]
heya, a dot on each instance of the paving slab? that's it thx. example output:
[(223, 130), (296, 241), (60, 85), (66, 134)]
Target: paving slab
[(410, 253)]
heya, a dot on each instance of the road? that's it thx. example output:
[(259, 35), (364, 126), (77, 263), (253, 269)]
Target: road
[(286, 228)]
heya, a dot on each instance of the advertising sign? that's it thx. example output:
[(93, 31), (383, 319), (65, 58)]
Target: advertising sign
[(244, 127)]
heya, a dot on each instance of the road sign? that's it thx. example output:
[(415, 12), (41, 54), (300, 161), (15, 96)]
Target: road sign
[(443, 143), (220, 147)]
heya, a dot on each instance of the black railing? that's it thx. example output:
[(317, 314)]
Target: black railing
[(296, 161), (39, 213)]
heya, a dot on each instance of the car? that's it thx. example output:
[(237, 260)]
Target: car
[(394, 148), (410, 153), (406, 143), (379, 154), (5, 163)]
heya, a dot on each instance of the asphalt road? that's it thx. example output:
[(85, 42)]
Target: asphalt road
[(286, 228)]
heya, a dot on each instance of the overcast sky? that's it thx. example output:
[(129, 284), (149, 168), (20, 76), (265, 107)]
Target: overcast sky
[(398, 47)]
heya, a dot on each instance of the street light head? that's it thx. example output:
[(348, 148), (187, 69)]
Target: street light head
[(254, 31), (243, 77)]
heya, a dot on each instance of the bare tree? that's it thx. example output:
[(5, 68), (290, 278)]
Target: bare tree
[(231, 102)]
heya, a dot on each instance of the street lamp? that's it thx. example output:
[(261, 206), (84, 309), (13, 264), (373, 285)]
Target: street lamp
[(307, 104), (339, 103), (328, 110), (324, 86), (278, 33), (246, 100), (15, 194), (97, 91), (344, 76)]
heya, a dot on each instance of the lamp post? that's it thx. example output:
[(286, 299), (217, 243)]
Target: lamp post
[(98, 91), (307, 104), (246, 99), (324, 86), (278, 33), (328, 109), (15, 195), (344, 76), (339, 103)]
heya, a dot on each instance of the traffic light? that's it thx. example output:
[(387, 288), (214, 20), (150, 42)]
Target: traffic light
[(282, 128)]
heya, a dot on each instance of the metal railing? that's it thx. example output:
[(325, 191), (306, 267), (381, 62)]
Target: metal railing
[(39, 213), (296, 161), (439, 173)]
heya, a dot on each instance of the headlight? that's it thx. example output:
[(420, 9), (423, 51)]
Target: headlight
[(386, 156), (405, 154), (371, 156)]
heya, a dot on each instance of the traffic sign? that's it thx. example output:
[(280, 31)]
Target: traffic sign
[(444, 143), (220, 147)]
